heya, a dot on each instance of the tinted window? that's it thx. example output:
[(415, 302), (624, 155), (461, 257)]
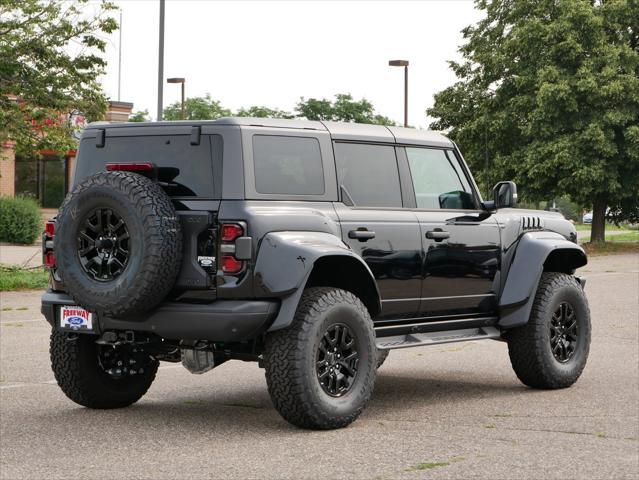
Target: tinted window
[(287, 165), (369, 174), (438, 180), (191, 169)]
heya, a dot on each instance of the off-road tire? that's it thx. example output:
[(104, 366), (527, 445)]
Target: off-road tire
[(76, 369), (529, 346), (155, 243), (290, 361), (382, 355)]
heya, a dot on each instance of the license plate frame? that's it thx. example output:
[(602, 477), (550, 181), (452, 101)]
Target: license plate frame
[(75, 319)]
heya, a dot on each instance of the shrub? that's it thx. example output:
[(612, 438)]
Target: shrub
[(20, 220)]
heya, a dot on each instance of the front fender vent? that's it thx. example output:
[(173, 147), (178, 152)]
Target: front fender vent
[(531, 223)]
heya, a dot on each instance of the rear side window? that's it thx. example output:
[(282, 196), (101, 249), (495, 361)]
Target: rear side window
[(196, 169), (287, 165), (369, 174)]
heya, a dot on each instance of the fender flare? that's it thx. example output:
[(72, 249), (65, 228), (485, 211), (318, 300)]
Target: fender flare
[(285, 261), (535, 253)]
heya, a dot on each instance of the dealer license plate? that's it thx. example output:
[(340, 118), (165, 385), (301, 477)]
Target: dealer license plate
[(75, 318)]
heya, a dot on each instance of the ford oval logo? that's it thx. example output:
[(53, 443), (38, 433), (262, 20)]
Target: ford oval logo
[(75, 320)]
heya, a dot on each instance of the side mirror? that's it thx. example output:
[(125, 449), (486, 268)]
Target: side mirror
[(505, 195)]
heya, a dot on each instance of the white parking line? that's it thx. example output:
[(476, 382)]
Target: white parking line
[(9, 322)]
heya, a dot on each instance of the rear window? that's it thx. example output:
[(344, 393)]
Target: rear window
[(287, 165), (197, 168)]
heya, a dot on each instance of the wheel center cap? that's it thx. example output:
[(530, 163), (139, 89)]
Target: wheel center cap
[(105, 243)]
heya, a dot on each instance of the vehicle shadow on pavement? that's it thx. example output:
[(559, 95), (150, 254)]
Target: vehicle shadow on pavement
[(205, 409)]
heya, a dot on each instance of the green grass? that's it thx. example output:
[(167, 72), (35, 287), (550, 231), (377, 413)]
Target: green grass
[(621, 237), (428, 465), (16, 278), (585, 227), (609, 248)]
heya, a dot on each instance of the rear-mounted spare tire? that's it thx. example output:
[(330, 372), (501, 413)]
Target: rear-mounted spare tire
[(118, 243)]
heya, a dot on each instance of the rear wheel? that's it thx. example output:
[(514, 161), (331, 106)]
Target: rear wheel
[(100, 376), (551, 350), (320, 371)]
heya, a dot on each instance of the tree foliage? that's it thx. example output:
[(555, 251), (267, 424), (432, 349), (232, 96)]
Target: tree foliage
[(263, 112), (548, 95), (49, 66), (196, 108), (342, 109), (140, 116)]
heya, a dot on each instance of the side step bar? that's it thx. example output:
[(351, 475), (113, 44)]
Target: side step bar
[(434, 338)]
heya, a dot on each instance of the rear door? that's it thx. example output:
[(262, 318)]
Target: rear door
[(461, 243), (375, 224)]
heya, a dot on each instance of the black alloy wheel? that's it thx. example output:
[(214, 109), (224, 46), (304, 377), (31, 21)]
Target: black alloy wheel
[(103, 244), (564, 332), (551, 350), (123, 361), (337, 360), (100, 376)]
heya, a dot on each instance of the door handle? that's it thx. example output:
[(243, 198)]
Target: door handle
[(438, 235), (361, 235)]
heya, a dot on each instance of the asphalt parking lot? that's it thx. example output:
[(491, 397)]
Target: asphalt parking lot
[(448, 411)]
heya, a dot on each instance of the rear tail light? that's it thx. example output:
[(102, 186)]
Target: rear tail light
[(49, 228), (231, 265), (49, 260), (48, 256), (229, 233)]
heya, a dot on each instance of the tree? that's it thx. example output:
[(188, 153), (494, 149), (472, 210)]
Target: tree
[(342, 109), (197, 108), (626, 211), (548, 95), (263, 112), (49, 66), (140, 116)]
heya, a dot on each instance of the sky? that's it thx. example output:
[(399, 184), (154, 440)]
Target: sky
[(272, 53)]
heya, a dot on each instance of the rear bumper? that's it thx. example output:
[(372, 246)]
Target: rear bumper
[(222, 320)]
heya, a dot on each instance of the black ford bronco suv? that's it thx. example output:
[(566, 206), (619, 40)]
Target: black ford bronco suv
[(312, 248)]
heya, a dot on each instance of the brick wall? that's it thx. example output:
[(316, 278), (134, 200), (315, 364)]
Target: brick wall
[(118, 112), (7, 169)]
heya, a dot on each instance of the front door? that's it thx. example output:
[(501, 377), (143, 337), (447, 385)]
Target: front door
[(376, 226), (461, 242)]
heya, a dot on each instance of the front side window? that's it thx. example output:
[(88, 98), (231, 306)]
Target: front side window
[(369, 174), (438, 180), (287, 165)]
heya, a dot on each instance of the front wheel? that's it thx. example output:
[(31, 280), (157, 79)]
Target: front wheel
[(551, 350), (100, 376), (320, 371)]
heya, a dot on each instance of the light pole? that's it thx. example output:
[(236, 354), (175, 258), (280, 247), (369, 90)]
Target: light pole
[(161, 63), (179, 80), (403, 63)]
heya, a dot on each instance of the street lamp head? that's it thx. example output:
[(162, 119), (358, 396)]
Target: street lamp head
[(398, 63), (175, 80)]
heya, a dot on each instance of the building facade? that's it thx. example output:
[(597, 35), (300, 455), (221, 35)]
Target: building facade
[(48, 177)]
